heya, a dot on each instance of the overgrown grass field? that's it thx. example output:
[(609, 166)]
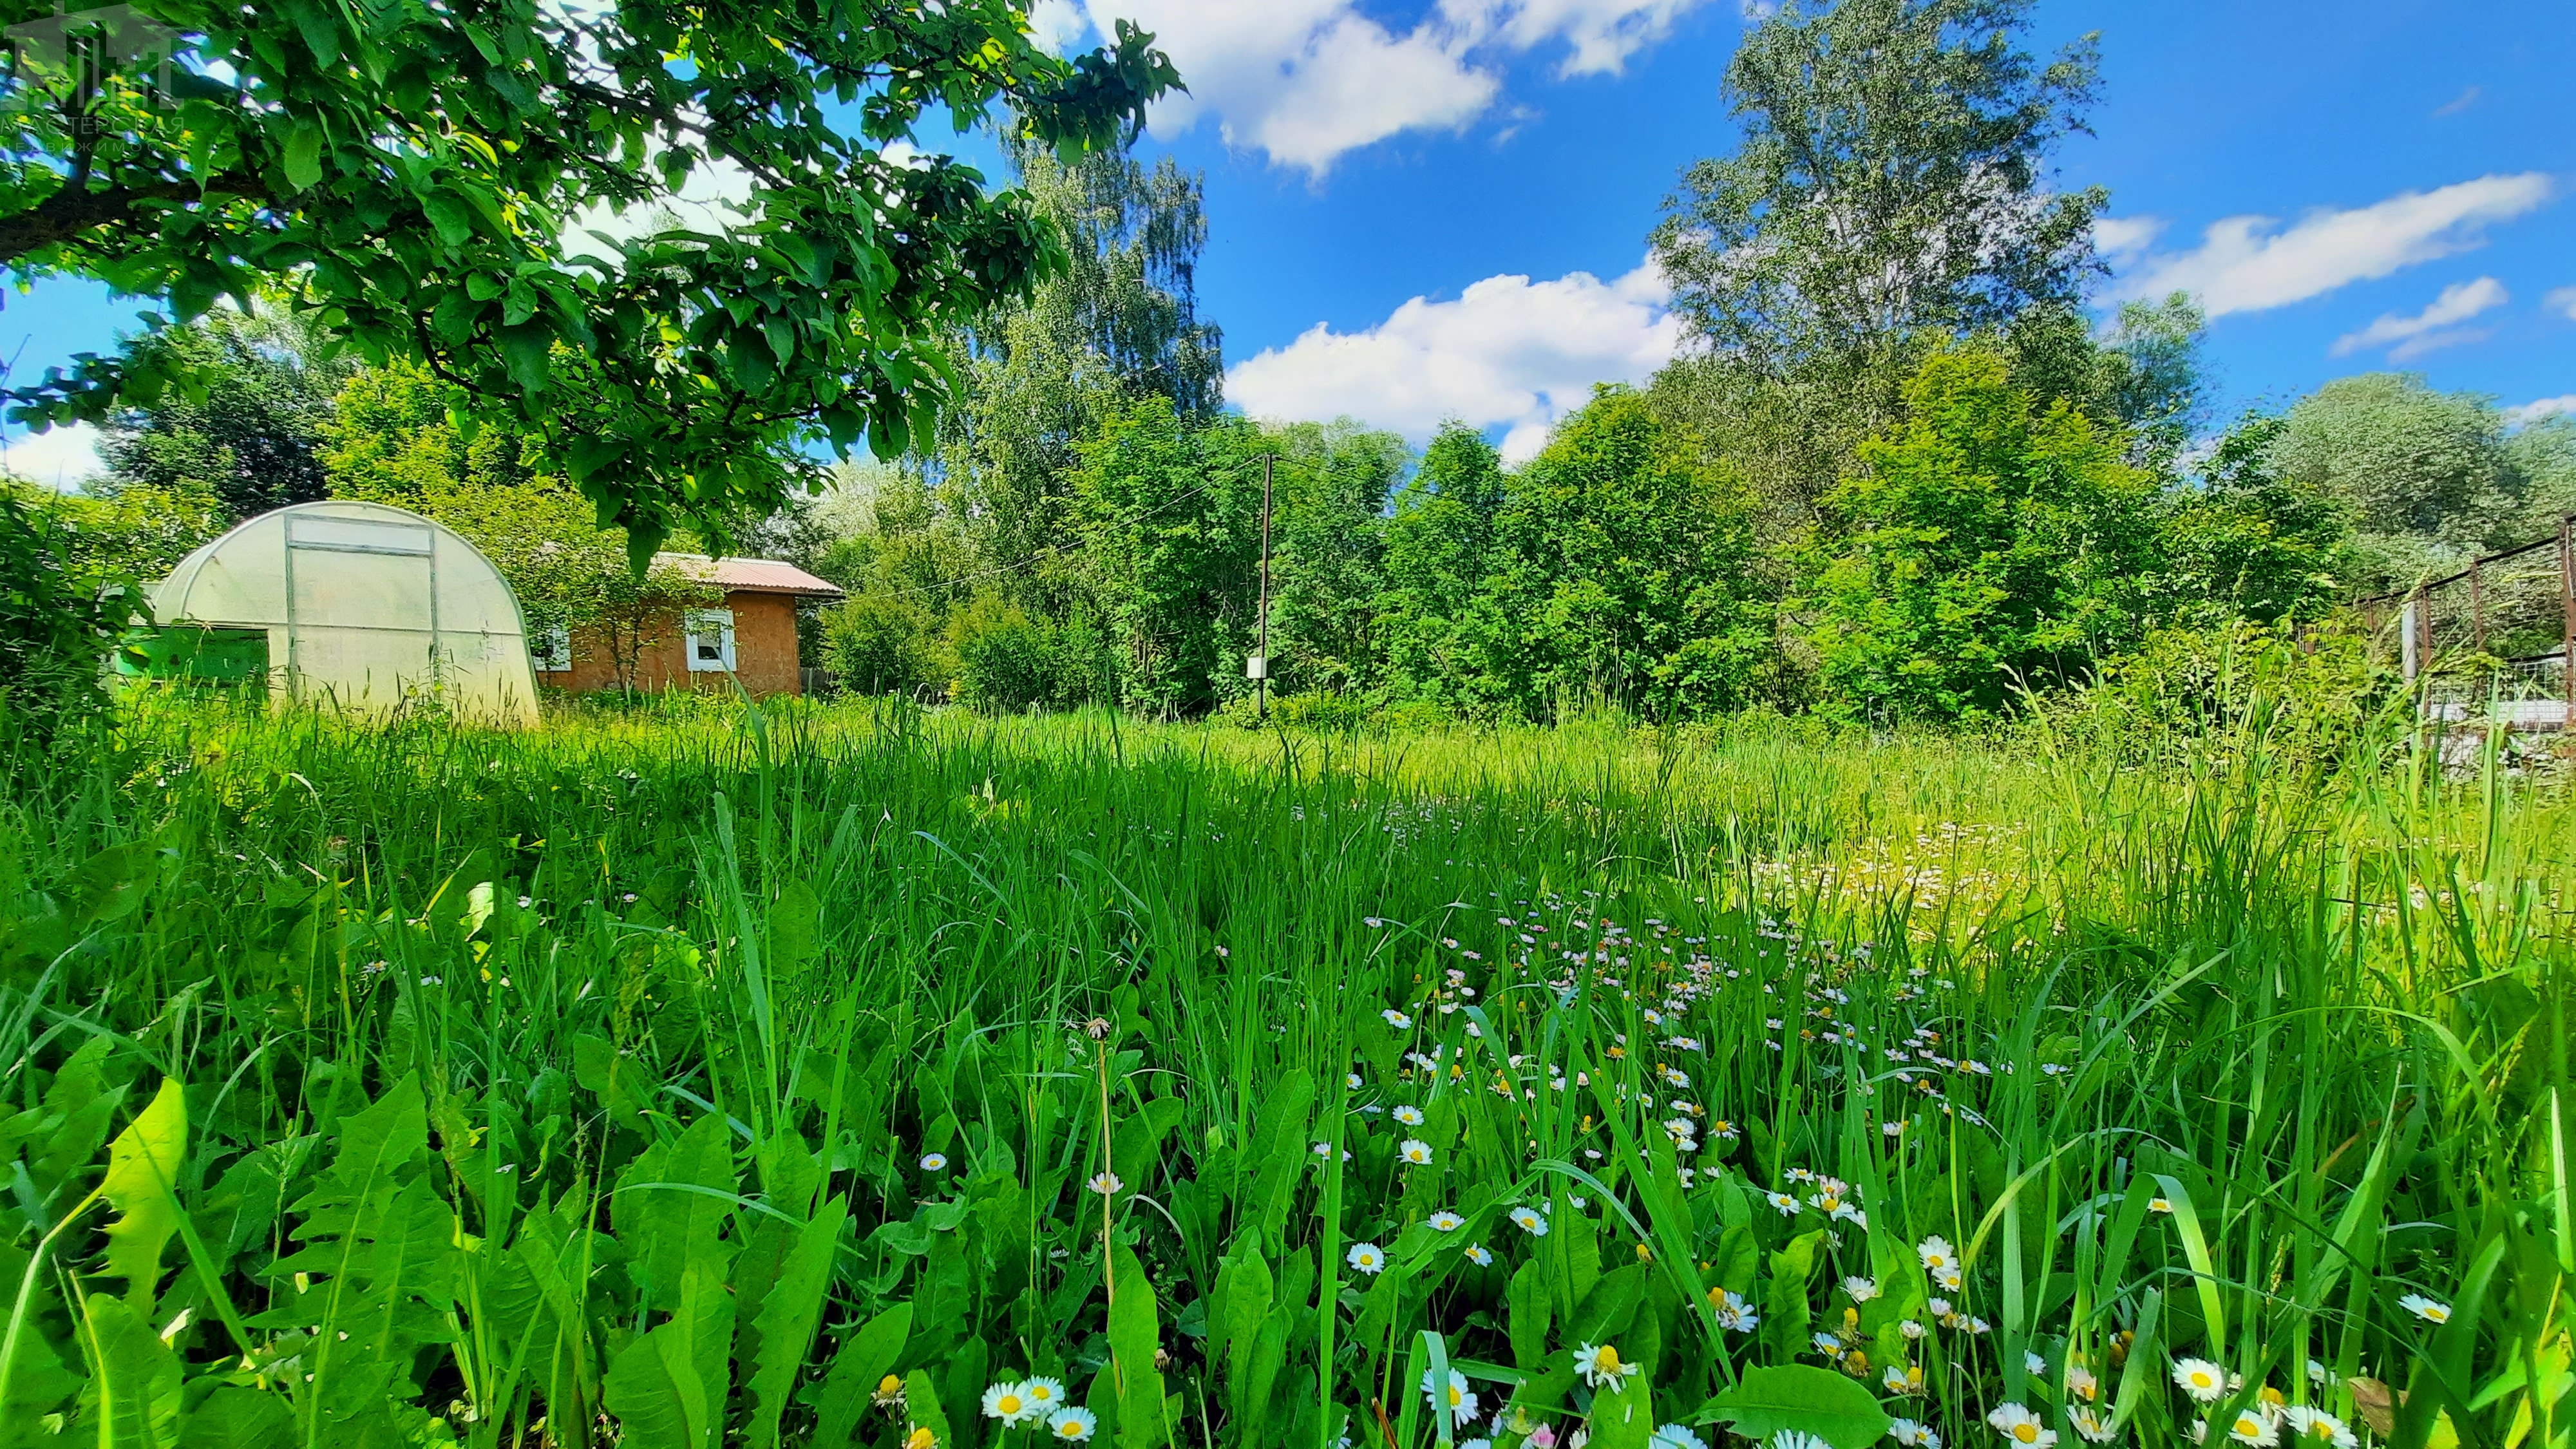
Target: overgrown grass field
[(705, 1076)]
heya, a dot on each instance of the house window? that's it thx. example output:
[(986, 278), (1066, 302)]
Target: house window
[(550, 650), (710, 641)]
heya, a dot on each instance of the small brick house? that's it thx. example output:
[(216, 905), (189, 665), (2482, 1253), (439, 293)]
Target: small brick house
[(750, 636)]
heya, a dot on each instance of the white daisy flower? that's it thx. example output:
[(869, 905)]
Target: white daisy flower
[(1446, 1221), (1600, 1366), (2022, 1427), (2206, 1382), (2429, 1309), (1367, 1258), (1008, 1402), (1462, 1400), (2315, 1426)]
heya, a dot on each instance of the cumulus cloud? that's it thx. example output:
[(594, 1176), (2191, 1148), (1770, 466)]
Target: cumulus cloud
[(2431, 328), (2250, 264), (1307, 80), (59, 456), (2119, 238), (2538, 408), (2562, 302), (1507, 352)]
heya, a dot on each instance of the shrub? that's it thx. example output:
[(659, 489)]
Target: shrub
[(883, 644), (2310, 696), (1006, 661), (56, 616)]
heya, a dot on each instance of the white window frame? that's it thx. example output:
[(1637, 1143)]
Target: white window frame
[(696, 629), (550, 650)]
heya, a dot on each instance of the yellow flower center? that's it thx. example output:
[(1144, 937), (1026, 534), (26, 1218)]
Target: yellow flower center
[(1606, 1359), (1069, 1429), (1008, 1403), (2026, 1433)]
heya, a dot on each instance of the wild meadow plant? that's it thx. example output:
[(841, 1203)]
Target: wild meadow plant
[(700, 1075)]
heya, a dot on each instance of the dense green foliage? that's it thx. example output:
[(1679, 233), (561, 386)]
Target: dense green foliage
[(58, 611), (252, 438), (1891, 188), (1989, 545), (694, 1077), (441, 184)]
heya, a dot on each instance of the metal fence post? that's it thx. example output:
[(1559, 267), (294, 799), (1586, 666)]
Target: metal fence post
[(2478, 604), (2567, 602)]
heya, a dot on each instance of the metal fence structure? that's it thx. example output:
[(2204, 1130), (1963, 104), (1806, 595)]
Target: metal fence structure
[(2500, 633)]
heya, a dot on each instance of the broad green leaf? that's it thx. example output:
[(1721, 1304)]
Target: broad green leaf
[(668, 1388), (863, 1359), (921, 1404), (1248, 1291), (1626, 1419), (239, 1418), (134, 1377), (1803, 1398), (142, 1165), (1135, 1333), (671, 1208), (1785, 1311), (788, 1316), (795, 927), (1527, 1304), (303, 157)]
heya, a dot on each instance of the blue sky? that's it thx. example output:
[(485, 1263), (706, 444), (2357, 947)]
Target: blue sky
[(1438, 208)]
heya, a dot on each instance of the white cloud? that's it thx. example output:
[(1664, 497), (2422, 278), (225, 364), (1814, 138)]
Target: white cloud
[(1508, 351), (2243, 264), (2119, 238), (1599, 35), (1307, 80), (1056, 24), (2538, 408), (2562, 302), (59, 456), (2458, 103), (2432, 327)]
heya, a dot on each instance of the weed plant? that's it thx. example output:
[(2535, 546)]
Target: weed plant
[(700, 1075)]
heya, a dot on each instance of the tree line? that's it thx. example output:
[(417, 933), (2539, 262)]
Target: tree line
[(1900, 473)]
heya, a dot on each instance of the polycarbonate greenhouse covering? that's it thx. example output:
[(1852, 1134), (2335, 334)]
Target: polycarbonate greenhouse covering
[(366, 606)]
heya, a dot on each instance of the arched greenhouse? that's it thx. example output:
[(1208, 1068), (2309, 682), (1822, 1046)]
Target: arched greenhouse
[(364, 605)]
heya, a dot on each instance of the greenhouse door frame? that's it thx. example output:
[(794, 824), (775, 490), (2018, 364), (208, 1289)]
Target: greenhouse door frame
[(318, 541)]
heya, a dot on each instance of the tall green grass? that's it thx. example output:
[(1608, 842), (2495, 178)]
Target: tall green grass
[(702, 1075)]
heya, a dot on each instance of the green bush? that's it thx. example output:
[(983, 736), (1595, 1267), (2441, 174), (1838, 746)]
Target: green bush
[(883, 644), (2307, 695), (1006, 661), (56, 615)]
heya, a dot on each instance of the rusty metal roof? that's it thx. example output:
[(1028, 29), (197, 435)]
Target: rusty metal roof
[(752, 575)]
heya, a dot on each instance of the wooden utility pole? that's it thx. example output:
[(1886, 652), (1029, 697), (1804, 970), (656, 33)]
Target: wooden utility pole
[(1261, 661)]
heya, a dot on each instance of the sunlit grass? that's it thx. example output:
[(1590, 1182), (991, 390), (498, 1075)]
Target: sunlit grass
[(755, 1059)]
